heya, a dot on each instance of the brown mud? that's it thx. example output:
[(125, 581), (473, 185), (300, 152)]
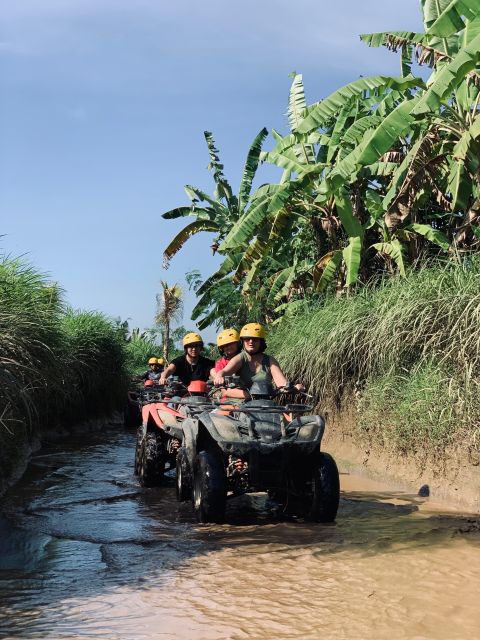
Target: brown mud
[(87, 553)]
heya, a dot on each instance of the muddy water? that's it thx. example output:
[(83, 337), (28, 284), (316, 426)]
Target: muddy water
[(86, 553)]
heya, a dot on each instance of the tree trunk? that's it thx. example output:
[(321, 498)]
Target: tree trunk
[(166, 340)]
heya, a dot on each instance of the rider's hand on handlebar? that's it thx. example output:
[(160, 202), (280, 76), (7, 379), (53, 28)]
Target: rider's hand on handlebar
[(218, 380)]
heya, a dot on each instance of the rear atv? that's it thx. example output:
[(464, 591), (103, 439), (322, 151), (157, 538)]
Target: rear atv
[(160, 435)]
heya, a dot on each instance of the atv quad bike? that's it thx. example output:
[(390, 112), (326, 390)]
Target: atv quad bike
[(160, 434), (258, 445)]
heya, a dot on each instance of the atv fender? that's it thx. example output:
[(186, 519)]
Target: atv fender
[(221, 428), (310, 428), (190, 437)]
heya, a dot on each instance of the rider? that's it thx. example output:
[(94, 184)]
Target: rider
[(192, 365), (252, 364), (228, 343), (155, 368)]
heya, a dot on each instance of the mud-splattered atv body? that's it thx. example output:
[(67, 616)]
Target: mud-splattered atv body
[(160, 434), (257, 446)]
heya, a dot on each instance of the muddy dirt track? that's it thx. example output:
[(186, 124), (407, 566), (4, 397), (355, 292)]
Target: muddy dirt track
[(86, 553)]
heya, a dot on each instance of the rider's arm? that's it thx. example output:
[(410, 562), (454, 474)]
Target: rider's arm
[(279, 377), (170, 370), (277, 374)]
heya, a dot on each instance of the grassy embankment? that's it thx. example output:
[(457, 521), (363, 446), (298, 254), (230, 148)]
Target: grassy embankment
[(58, 367), (404, 355)]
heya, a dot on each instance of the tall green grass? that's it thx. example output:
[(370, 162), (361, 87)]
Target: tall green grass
[(140, 348), (57, 366), (408, 351)]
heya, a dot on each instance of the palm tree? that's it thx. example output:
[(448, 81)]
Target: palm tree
[(169, 308)]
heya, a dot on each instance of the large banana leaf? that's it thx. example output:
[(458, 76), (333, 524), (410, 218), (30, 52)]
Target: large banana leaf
[(187, 232), (251, 166), (321, 112), (450, 20), (296, 102), (197, 195), (228, 265), (223, 189), (244, 229), (395, 250), (449, 78), (355, 132), (352, 255), (428, 232), (472, 29), (287, 160), (296, 108), (467, 141), (350, 223), (396, 124), (289, 142), (400, 173), (343, 117), (459, 185), (325, 269), (281, 283)]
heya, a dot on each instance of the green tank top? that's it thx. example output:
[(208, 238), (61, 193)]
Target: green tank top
[(248, 378)]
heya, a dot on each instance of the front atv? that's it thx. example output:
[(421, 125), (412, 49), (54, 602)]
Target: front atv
[(259, 445)]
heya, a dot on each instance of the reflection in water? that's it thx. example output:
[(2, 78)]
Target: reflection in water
[(87, 553)]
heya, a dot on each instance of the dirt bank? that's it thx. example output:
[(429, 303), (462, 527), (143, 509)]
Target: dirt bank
[(452, 476)]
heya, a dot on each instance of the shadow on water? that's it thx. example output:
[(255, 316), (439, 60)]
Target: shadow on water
[(79, 525)]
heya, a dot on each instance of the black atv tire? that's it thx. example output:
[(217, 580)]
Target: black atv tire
[(152, 461), (325, 490), (138, 449), (184, 479), (209, 487)]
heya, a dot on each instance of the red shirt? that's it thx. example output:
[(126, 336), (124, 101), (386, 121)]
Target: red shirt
[(221, 364)]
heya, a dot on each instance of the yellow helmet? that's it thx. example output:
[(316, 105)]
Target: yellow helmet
[(253, 330), (227, 336), (152, 361), (192, 338), (161, 361)]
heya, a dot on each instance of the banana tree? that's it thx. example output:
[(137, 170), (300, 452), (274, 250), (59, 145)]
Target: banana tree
[(220, 211)]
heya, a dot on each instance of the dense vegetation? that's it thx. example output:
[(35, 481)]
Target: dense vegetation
[(57, 366), (378, 176), (363, 255)]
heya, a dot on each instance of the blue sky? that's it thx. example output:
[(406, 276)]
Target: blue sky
[(103, 108)]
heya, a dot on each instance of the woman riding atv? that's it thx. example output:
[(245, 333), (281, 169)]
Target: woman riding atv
[(192, 365), (252, 364)]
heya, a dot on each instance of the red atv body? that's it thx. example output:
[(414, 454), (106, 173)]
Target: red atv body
[(160, 435)]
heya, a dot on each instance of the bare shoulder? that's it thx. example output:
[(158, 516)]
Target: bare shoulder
[(236, 359)]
